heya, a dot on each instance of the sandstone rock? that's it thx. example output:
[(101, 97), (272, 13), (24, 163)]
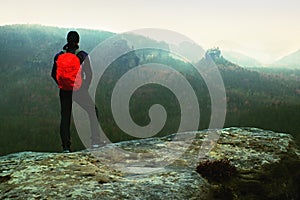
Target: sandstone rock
[(267, 163)]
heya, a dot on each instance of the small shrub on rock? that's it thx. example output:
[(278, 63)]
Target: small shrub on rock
[(216, 170)]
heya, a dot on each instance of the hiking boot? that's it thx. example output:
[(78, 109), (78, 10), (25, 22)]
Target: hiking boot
[(94, 146), (98, 145), (66, 151)]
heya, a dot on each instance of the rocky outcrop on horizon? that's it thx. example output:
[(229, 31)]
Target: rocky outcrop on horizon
[(230, 163)]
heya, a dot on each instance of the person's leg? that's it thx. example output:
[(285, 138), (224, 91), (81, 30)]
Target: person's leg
[(83, 98), (66, 109)]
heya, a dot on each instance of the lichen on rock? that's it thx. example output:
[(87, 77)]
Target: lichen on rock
[(267, 167)]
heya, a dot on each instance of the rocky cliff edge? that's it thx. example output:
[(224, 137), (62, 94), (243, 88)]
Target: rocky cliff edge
[(231, 163)]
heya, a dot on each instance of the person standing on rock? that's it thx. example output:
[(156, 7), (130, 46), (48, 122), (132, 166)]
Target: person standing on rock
[(73, 74)]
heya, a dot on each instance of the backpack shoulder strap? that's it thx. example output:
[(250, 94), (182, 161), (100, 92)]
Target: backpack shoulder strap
[(81, 55)]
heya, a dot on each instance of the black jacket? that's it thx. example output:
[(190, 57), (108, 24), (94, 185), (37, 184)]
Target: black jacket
[(85, 64)]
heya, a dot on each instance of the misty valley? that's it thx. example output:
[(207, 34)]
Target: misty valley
[(262, 97)]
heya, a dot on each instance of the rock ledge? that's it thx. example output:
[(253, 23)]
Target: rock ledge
[(268, 166)]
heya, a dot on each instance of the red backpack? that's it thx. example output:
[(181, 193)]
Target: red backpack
[(68, 72)]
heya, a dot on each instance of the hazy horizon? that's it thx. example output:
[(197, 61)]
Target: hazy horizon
[(266, 31)]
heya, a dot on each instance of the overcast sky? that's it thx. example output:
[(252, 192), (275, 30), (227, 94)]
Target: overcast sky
[(263, 29)]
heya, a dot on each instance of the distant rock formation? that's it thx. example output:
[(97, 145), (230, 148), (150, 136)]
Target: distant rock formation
[(266, 165)]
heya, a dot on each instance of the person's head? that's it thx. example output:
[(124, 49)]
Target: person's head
[(72, 41), (73, 37)]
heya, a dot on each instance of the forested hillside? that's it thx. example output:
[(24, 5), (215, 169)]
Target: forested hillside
[(260, 97), (29, 103)]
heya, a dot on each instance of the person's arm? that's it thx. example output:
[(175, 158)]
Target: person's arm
[(88, 71), (86, 68)]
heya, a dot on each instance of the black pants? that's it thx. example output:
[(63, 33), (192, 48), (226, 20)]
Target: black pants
[(83, 98)]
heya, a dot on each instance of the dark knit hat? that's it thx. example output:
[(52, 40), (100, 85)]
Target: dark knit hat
[(73, 37)]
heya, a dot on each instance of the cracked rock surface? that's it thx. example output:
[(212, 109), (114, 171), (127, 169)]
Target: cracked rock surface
[(268, 166)]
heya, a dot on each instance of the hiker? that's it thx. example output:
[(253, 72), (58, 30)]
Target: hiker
[(74, 87)]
